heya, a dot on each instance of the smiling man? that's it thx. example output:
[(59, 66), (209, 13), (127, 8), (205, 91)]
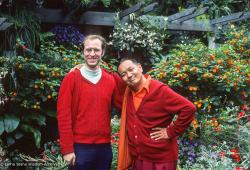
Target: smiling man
[(83, 110), (150, 128)]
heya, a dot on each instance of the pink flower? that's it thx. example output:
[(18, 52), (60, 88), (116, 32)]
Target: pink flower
[(116, 134), (53, 151)]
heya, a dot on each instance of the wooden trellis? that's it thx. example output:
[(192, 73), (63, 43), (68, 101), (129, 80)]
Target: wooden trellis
[(182, 21)]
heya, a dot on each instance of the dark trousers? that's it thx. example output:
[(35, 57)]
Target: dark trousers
[(92, 157)]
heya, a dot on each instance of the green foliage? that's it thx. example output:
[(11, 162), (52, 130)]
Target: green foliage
[(27, 28), (106, 3), (32, 83), (49, 159), (10, 123), (145, 32), (86, 3), (219, 150), (35, 132), (115, 124), (1, 125), (217, 81), (219, 8)]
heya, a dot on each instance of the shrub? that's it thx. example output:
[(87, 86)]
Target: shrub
[(217, 81), (31, 84)]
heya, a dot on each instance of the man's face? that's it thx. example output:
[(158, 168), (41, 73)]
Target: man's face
[(131, 73), (93, 52)]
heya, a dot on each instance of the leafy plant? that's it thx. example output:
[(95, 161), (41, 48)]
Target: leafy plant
[(27, 28), (86, 3), (217, 81), (145, 32), (115, 124), (31, 85)]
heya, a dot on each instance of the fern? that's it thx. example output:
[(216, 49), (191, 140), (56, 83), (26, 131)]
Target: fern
[(85, 2), (106, 3)]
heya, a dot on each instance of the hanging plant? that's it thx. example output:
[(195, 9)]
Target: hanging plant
[(144, 32), (27, 28)]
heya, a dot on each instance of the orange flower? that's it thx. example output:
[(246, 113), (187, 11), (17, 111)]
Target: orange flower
[(199, 105), (217, 128), (215, 69), (212, 57), (219, 61), (178, 65), (205, 75)]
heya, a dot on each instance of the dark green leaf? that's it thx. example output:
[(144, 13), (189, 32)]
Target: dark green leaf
[(51, 113), (1, 125), (40, 119), (18, 135), (36, 133), (10, 140), (10, 123)]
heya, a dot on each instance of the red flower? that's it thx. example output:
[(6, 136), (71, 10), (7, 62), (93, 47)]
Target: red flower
[(49, 145), (244, 107), (112, 140), (53, 151), (248, 118), (235, 155), (116, 134), (241, 114), (23, 47), (243, 95), (240, 168)]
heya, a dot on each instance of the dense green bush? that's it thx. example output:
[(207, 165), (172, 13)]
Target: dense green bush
[(217, 81), (31, 84)]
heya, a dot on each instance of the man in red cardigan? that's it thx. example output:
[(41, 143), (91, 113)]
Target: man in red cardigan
[(150, 108), (83, 110)]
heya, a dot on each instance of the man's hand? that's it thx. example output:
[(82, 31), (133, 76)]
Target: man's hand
[(160, 133), (70, 158), (79, 66)]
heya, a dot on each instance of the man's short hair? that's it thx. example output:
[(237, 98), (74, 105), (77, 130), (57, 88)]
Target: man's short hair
[(134, 60), (93, 37)]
